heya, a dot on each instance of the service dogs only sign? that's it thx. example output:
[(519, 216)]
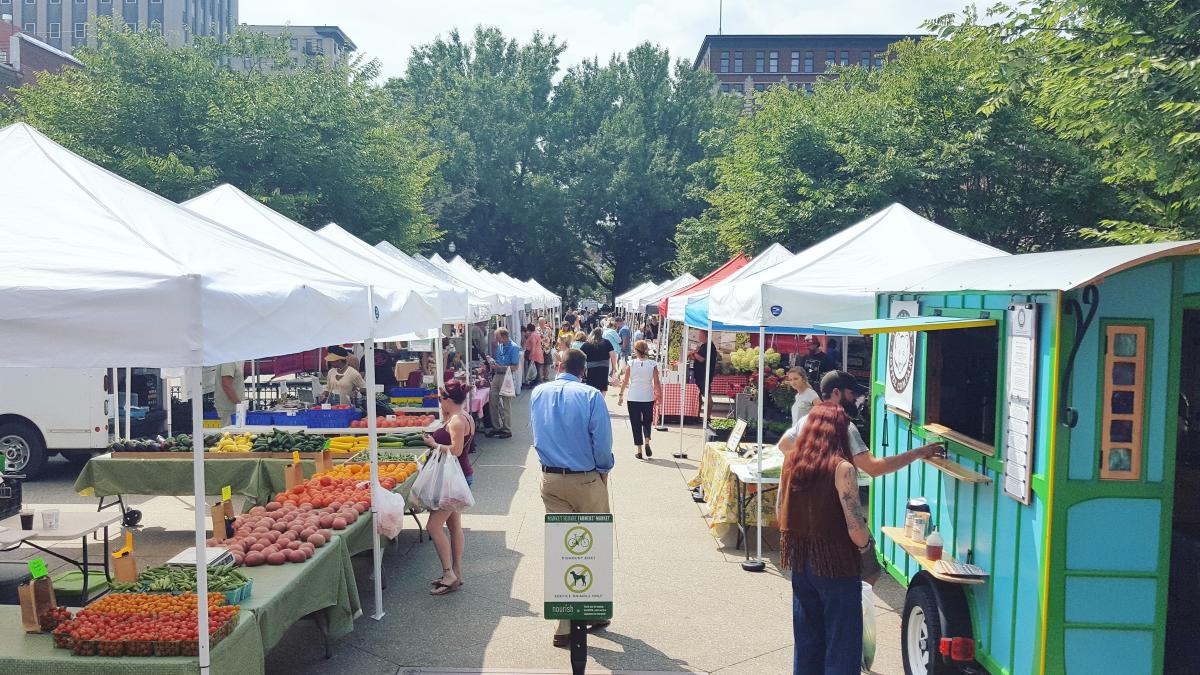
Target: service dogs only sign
[(579, 566)]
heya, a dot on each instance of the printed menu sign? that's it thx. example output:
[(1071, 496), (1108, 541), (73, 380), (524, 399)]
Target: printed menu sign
[(1019, 401)]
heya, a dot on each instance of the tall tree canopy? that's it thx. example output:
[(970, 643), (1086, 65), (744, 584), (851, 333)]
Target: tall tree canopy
[(318, 144), (1121, 77), (801, 167)]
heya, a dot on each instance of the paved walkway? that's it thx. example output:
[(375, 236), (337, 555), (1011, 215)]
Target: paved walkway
[(682, 603)]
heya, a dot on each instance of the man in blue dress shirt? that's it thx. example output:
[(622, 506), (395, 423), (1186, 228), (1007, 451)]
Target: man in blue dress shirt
[(572, 434), (507, 358)]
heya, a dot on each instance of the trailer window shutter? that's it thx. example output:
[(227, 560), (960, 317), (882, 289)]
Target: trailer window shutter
[(1123, 402)]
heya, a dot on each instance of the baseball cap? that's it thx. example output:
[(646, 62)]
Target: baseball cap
[(839, 379)]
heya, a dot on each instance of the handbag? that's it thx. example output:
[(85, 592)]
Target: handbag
[(509, 387)]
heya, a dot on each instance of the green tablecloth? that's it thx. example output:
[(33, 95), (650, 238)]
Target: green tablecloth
[(323, 586), (241, 652), (253, 477)]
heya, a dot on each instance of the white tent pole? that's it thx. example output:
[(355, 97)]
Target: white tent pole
[(845, 352), (373, 452), (664, 357), (196, 384), (683, 386), (762, 395), (128, 403), (707, 386), (439, 370), (167, 387)]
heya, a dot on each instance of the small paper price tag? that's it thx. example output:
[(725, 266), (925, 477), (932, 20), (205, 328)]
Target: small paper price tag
[(295, 457), (226, 493), (37, 568)]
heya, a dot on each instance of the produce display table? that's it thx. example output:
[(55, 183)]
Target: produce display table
[(721, 489), (323, 586), (358, 535), (241, 652), (253, 477), (319, 431)]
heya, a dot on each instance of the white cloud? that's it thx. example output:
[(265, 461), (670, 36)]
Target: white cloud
[(388, 29)]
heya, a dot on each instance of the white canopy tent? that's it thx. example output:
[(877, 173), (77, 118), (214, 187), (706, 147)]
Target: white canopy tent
[(629, 300), (771, 256), (834, 279), (491, 301), (662, 291), (409, 316), (619, 301), (100, 271)]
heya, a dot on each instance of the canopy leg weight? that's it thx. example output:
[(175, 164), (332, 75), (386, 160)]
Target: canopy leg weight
[(753, 565), (578, 647)]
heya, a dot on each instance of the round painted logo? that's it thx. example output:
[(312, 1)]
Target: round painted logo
[(578, 578), (376, 312), (902, 349), (776, 310)]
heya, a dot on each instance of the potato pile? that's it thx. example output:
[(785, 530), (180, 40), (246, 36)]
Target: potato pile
[(281, 533)]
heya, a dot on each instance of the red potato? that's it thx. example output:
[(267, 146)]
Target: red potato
[(293, 545), (326, 520), (256, 548), (328, 534), (335, 505), (238, 558), (279, 526), (306, 507), (257, 510), (212, 542), (271, 536), (255, 559), (339, 523), (261, 529), (317, 540), (308, 548), (276, 558), (307, 532), (296, 556), (274, 506), (361, 507)]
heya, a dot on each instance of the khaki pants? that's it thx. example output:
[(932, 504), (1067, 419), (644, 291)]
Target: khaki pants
[(501, 405), (574, 493)]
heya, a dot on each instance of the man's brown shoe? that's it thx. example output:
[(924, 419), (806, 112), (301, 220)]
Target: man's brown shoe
[(562, 641)]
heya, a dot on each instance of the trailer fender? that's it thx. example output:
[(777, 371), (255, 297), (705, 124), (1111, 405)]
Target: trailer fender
[(952, 601)]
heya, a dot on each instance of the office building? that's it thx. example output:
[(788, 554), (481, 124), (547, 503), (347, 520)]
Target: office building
[(756, 62), (309, 44), (66, 24)]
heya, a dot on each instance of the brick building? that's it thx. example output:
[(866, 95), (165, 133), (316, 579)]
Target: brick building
[(745, 63), (22, 57), (64, 24)]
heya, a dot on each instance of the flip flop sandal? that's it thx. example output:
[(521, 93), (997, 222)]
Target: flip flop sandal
[(444, 589)]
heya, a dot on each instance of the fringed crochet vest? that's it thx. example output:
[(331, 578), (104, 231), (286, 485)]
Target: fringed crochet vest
[(812, 529)]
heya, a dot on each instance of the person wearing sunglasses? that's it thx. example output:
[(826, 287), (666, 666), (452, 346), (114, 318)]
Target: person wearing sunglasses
[(457, 438)]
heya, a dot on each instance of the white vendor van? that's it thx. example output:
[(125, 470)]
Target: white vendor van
[(49, 410)]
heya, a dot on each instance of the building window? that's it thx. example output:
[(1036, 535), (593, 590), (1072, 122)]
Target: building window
[(878, 62), (29, 28), (724, 62), (56, 2), (3, 52), (845, 58), (739, 89), (725, 88), (829, 59), (808, 89), (774, 62), (808, 62), (795, 62), (295, 42), (31, 2), (758, 62), (156, 2), (81, 31), (960, 382), (1124, 396), (760, 86), (737, 62), (866, 60), (55, 30)]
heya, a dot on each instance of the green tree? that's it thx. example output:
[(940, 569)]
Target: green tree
[(802, 167), (622, 137), (318, 144), (1120, 77), (486, 101)]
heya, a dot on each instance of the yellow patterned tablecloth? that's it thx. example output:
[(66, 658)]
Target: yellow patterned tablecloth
[(720, 488)]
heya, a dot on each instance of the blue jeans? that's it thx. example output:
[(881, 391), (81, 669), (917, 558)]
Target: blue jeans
[(826, 624), (470, 482)]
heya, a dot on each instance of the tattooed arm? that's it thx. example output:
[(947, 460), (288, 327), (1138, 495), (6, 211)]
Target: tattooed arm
[(846, 479)]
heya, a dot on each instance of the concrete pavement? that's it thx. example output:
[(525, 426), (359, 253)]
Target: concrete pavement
[(683, 603)]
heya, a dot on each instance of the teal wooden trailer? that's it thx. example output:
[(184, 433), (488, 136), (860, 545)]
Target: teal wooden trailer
[(1066, 386)]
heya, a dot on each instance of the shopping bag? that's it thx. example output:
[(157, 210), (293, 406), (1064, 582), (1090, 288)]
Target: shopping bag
[(868, 638), (36, 598), (508, 388), (389, 511), (441, 485)]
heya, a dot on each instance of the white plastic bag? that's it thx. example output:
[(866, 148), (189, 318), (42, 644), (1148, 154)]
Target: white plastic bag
[(868, 611), (389, 511), (441, 485), (508, 388)]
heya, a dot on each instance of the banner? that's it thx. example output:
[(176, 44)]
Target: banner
[(901, 359)]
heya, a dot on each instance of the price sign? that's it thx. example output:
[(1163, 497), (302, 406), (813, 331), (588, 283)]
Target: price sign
[(735, 436), (226, 493), (579, 566), (37, 568), (295, 457)]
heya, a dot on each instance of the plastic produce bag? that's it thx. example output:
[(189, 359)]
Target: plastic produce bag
[(508, 388), (389, 511), (868, 610), (441, 485)]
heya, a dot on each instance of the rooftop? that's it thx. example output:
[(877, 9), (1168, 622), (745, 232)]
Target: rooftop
[(889, 37), (325, 31)]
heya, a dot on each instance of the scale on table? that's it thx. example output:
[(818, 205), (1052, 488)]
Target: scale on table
[(215, 556)]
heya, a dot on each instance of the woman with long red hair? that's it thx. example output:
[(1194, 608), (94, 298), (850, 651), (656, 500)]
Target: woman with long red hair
[(823, 534)]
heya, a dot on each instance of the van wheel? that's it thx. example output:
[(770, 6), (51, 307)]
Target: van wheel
[(22, 446), (921, 633)]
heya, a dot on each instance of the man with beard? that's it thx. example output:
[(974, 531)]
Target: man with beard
[(840, 388)]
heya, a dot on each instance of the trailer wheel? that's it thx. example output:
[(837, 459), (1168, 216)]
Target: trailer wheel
[(921, 632), (22, 446)]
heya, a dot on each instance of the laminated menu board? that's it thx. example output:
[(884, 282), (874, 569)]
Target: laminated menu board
[(1020, 387)]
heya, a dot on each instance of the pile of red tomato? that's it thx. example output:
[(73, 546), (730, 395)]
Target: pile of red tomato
[(144, 624), (325, 491), (401, 422)]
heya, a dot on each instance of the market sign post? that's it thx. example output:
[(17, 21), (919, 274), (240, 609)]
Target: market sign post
[(579, 574)]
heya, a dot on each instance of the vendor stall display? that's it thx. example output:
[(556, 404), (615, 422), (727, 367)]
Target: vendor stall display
[(727, 501), (144, 624), (1061, 384)]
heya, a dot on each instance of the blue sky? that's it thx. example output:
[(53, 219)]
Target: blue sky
[(388, 29)]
